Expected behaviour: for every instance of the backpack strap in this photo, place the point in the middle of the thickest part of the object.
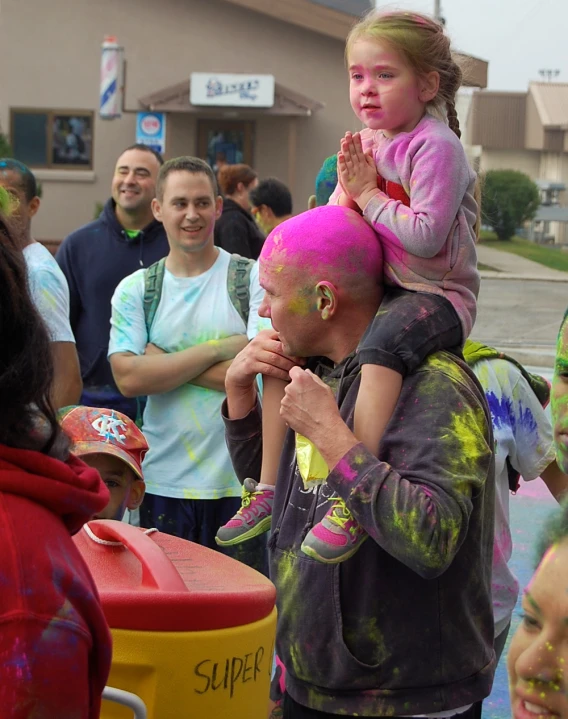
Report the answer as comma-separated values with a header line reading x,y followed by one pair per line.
x,y
153,283
238,284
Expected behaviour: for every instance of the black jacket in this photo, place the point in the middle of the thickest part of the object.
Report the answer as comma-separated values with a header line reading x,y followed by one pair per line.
x,y
237,232
94,259
405,626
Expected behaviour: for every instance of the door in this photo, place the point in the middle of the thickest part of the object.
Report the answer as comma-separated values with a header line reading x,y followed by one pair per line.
x,y
221,142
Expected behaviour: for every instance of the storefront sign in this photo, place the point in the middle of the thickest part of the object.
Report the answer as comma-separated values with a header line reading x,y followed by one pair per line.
x,y
151,130
231,90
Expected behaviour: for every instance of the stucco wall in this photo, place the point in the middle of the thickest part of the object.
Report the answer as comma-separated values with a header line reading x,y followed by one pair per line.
x,y
56,46
524,161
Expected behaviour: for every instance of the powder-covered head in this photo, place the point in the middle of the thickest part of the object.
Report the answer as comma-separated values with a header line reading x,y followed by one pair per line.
x,y
26,178
326,180
322,276
5,202
327,243
559,396
538,652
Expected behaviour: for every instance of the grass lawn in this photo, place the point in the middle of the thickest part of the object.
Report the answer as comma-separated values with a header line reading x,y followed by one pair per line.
x,y
545,255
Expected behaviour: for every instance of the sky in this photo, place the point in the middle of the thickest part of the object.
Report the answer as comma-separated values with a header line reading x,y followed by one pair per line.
x,y
517,37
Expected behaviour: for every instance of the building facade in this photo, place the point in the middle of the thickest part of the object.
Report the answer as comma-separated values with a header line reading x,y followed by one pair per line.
x,y
527,131
49,103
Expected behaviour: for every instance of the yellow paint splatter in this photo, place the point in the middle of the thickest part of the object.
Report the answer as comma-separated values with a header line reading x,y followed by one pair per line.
x,y
299,306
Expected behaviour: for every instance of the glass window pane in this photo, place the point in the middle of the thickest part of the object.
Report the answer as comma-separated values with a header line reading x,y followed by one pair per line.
x,y
72,139
29,137
224,147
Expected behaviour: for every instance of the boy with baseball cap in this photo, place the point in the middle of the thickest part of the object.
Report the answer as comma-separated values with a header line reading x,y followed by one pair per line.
x,y
111,443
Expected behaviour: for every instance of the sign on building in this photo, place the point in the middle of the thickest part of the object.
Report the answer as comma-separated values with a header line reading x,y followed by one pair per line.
x,y
226,90
151,130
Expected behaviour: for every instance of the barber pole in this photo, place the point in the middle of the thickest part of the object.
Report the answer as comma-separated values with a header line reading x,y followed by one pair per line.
x,y
111,73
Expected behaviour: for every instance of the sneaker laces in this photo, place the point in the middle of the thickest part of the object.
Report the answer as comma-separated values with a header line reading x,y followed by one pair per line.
x,y
340,515
247,497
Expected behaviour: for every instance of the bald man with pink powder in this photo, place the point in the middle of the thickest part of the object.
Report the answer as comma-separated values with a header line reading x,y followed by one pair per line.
x,y
405,627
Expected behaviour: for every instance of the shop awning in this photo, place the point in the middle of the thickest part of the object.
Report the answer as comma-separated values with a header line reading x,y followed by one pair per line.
x,y
176,99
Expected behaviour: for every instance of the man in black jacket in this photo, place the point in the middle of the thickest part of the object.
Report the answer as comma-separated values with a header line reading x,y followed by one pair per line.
x,y
236,231
96,257
271,204
405,626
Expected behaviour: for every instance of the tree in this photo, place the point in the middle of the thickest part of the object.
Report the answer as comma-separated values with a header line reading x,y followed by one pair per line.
x,y
509,199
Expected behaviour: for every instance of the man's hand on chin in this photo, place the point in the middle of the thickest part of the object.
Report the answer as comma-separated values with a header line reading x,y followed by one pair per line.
x,y
262,355
310,409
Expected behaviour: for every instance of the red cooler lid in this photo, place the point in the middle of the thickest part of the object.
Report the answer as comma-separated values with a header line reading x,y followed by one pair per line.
x,y
156,582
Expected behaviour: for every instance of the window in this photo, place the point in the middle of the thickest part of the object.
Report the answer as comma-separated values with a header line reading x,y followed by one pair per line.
x,y
225,143
55,139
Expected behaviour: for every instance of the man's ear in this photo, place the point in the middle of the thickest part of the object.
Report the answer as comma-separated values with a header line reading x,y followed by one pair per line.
x,y
157,209
137,491
33,205
218,206
429,86
327,300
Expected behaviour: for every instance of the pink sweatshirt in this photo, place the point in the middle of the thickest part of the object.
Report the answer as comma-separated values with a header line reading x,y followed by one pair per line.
x,y
429,246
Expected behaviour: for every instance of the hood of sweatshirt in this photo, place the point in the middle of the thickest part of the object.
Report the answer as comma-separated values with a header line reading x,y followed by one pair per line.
x,y
94,259
71,490
148,234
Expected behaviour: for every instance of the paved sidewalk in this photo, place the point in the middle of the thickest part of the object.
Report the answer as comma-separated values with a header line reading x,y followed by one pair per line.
x,y
521,317
509,266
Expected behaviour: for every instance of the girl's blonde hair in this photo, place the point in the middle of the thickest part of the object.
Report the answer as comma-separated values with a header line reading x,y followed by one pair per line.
x,y
425,47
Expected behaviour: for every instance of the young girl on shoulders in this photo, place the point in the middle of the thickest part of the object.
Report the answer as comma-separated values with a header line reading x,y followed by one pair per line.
x,y
408,174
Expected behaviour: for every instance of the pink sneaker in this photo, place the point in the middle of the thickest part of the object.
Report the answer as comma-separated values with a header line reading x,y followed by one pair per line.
x,y
253,518
336,538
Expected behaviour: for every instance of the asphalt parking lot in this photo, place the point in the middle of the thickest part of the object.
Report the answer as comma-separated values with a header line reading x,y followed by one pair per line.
x,y
521,317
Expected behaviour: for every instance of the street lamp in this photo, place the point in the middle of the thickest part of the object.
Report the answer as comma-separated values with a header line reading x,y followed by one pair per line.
x,y
438,12
548,74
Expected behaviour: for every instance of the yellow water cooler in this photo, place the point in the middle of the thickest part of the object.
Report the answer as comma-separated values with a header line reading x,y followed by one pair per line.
x,y
193,630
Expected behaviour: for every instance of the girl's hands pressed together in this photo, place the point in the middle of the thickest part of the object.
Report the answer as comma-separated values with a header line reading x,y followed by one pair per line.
x,y
356,170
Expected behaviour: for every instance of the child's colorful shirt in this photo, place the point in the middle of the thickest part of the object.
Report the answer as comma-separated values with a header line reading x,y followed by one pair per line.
x,y
429,246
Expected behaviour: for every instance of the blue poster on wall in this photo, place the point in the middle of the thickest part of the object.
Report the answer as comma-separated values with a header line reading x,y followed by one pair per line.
x,y
151,130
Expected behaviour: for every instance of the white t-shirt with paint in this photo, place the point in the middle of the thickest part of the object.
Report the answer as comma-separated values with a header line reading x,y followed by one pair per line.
x,y
188,456
49,291
523,432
